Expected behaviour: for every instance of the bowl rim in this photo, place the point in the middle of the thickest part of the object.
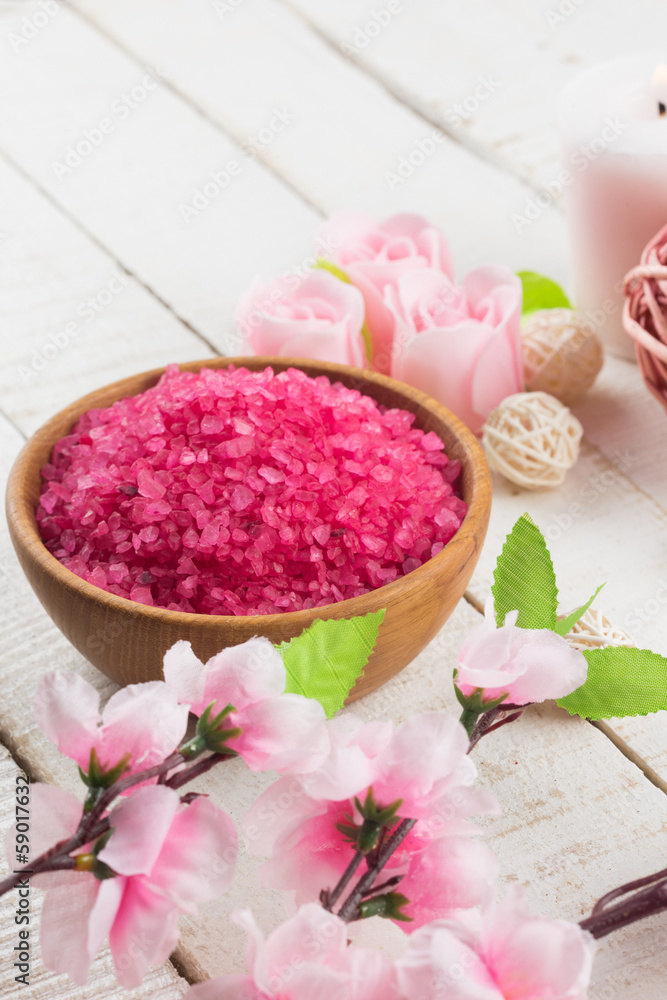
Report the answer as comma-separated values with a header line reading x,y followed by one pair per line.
x,y
25,532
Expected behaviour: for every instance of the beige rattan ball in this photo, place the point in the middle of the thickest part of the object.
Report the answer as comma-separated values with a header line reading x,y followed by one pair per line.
x,y
532,439
594,630
562,354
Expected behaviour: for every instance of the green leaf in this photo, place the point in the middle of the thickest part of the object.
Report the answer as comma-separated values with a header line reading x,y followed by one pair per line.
x,y
326,660
524,578
326,265
389,905
541,293
564,626
621,681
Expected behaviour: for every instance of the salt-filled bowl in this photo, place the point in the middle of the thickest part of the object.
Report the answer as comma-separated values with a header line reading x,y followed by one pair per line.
x,y
127,640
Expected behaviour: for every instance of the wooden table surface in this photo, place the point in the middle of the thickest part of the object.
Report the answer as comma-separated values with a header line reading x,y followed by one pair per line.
x,y
317,111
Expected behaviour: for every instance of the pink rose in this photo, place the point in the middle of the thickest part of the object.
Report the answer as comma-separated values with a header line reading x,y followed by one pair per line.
x,y
376,255
318,317
305,958
166,858
527,664
515,957
461,345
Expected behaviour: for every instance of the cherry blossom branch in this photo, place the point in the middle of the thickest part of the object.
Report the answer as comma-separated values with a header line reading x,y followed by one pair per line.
x,y
348,910
486,723
329,899
649,900
94,824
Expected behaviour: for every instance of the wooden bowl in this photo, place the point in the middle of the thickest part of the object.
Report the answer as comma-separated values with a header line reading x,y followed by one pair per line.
x,y
127,641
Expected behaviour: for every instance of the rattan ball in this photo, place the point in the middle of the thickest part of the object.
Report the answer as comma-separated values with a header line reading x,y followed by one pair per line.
x,y
645,314
532,439
562,354
594,630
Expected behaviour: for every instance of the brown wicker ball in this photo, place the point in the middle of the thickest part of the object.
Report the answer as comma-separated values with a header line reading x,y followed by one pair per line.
x,y
562,353
645,314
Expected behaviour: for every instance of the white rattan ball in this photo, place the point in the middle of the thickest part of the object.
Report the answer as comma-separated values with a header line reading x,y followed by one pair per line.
x,y
594,630
562,354
532,439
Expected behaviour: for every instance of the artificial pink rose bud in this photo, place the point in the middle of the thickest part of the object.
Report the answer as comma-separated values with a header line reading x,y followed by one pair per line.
x,y
375,255
318,317
526,664
461,345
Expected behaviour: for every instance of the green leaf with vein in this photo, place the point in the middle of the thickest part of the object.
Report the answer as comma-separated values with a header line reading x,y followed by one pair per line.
x,y
524,578
541,293
565,624
326,660
326,265
621,681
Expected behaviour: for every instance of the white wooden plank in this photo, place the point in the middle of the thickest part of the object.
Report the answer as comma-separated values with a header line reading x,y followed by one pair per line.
x,y
29,633
434,55
205,266
128,191
73,319
161,984
578,817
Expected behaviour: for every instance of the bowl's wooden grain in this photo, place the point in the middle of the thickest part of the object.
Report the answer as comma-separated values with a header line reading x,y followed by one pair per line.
x,y
127,640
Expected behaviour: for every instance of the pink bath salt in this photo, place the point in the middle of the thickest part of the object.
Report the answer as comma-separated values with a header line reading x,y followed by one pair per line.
x,y
230,492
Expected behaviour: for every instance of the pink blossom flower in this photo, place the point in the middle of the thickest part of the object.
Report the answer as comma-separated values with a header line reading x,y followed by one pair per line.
x,y
443,869
529,665
279,732
142,720
515,957
305,958
461,345
376,255
317,317
168,858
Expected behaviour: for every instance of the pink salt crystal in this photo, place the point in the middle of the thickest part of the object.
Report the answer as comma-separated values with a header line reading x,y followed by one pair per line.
x,y
149,487
241,498
272,476
321,533
382,473
344,497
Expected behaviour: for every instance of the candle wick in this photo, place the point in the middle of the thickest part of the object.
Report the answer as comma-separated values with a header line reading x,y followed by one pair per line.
x,y
662,109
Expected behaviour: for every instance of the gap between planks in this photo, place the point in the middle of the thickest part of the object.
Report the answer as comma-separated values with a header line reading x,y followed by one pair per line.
x,y
76,222
397,93
477,149
199,111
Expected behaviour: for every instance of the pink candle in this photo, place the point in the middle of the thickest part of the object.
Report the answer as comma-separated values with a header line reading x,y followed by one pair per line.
x,y
613,122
